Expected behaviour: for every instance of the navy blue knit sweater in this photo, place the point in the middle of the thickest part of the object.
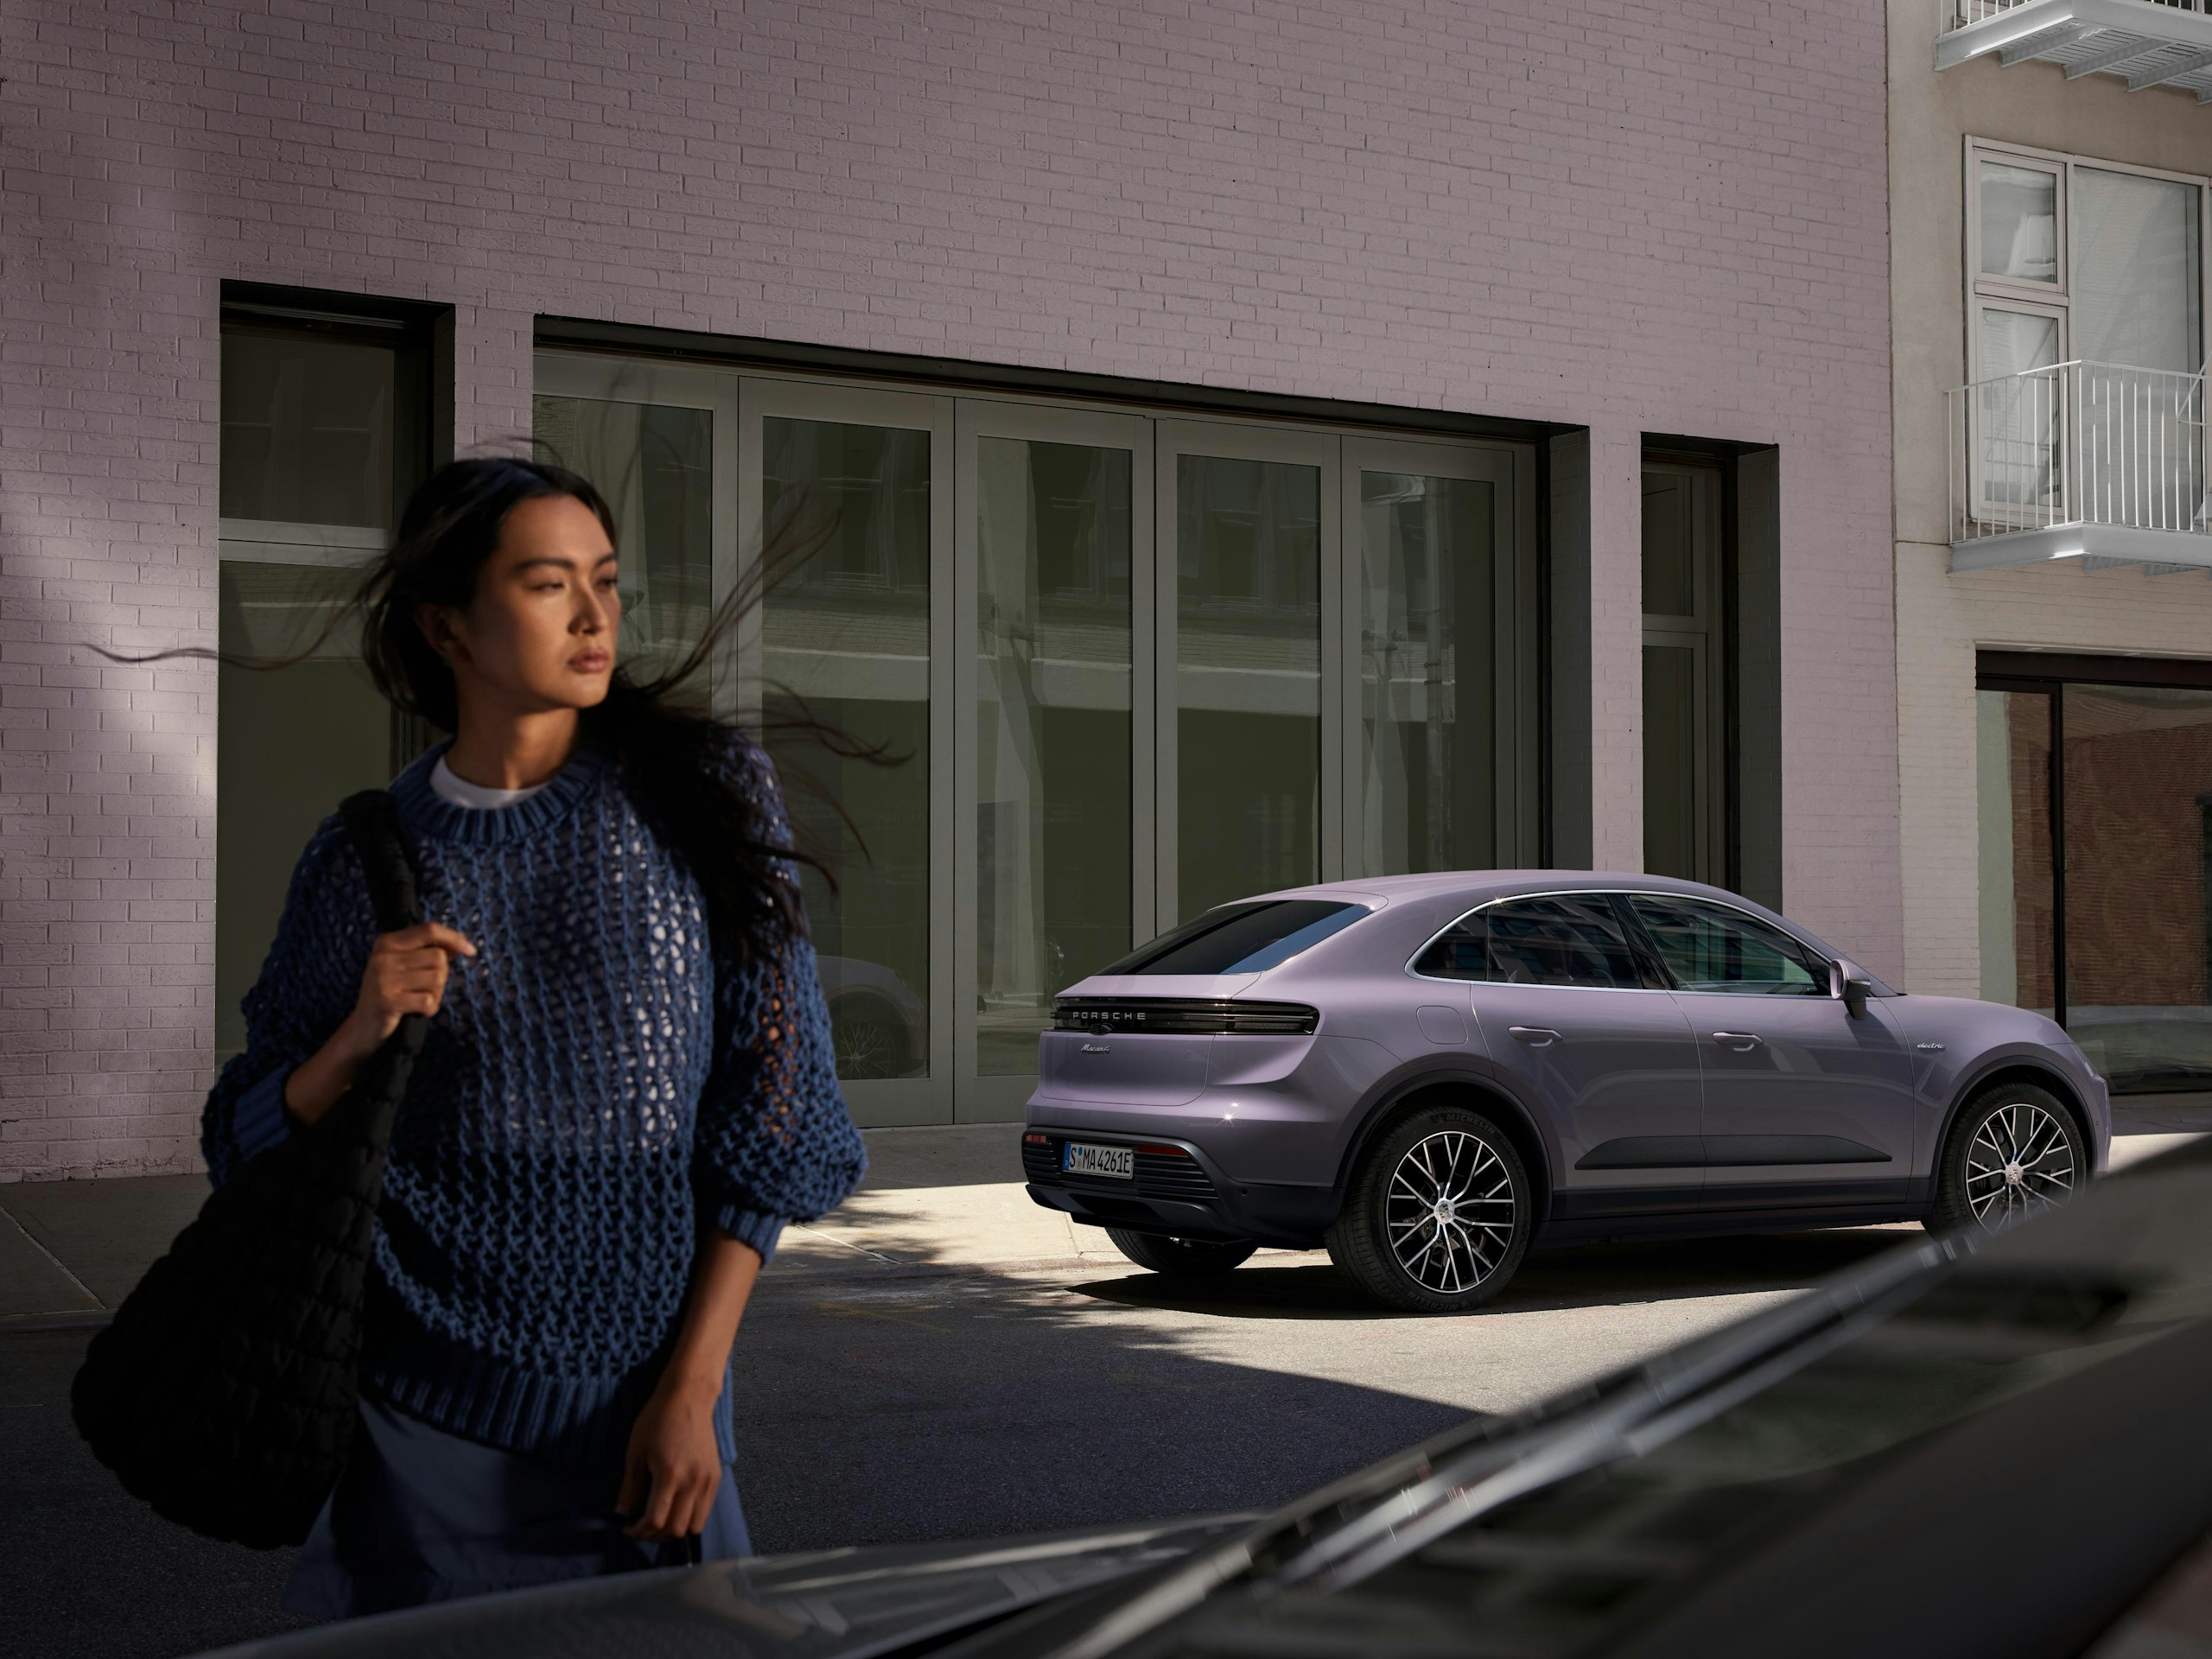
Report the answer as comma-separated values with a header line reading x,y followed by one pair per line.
x,y
603,1076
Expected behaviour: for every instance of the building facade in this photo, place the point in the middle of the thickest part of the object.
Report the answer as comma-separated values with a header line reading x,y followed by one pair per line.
x,y
2051,183
1198,448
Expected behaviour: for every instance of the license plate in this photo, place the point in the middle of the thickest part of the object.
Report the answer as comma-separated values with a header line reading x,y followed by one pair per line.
x,y
1119,1162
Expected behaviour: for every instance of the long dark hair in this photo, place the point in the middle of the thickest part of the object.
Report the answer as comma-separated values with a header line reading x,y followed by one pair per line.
x,y
671,749
673,752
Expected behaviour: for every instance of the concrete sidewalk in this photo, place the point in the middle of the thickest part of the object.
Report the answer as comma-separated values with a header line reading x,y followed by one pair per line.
x,y
936,1200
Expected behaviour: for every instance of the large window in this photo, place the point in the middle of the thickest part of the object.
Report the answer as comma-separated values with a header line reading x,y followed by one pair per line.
x,y
327,419
2093,778
2071,257
1090,671
2072,261
1685,683
1438,687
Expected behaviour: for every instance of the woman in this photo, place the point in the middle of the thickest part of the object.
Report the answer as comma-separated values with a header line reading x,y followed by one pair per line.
x,y
627,1088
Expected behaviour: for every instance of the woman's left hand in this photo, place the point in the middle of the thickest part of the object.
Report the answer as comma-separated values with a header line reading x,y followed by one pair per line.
x,y
673,1467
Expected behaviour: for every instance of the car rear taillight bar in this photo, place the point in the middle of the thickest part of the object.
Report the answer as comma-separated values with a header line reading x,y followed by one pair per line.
x,y
1183,1017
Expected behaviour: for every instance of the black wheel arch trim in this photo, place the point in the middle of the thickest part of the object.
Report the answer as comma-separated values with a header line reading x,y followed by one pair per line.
x,y
1988,1069
1382,1101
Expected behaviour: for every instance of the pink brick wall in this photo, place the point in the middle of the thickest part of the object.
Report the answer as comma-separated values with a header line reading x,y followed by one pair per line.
x,y
1664,219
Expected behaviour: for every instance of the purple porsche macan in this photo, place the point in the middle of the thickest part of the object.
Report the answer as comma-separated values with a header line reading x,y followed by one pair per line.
x,y
1431,1073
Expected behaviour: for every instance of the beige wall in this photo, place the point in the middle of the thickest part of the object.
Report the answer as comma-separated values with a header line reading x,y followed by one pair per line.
x,y
1942,618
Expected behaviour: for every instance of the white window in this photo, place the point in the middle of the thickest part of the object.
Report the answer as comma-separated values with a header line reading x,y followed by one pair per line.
x,y
2085,340
2073,259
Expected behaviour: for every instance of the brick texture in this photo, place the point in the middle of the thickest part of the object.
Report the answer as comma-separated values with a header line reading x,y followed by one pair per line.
x,y
1665,218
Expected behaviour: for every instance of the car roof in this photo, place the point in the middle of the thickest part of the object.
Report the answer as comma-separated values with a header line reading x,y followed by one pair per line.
x,y
1476,884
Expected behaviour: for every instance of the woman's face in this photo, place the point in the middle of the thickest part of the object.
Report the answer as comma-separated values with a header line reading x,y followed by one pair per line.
x,y
540,633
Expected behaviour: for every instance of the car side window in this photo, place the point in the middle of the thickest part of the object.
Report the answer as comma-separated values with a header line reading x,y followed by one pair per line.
x,y
1550,941
1709,947
1461,951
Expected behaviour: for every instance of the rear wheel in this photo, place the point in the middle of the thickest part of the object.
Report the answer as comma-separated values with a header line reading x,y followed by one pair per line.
x,y
2014,1152
868,1039
1438,1216
1186,1258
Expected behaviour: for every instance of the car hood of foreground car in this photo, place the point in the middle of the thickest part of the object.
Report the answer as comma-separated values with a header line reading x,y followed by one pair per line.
x,y
833,1603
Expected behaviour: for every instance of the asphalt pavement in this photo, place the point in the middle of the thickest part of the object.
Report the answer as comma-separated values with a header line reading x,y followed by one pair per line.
x,y
941,1359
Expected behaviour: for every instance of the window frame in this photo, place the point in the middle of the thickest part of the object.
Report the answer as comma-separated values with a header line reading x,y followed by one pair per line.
x,y
1645,949
1811,956
572,359
2013,293
1706,631
1987,506
2047,675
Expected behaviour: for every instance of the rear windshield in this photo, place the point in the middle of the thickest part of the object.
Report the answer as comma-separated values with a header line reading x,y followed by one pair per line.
x,y
1246,939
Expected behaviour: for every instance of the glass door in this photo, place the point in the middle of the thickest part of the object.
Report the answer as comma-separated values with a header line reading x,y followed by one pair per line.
x,y
1436,602
1244,736
1054,578
846,516
659,442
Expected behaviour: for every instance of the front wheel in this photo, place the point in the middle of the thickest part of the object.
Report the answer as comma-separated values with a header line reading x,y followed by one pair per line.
x,y
2014,1152
1184,1258
1438,1216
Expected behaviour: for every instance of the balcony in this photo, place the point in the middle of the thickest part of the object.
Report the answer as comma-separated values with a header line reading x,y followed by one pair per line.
x,y
2094,461
2146,43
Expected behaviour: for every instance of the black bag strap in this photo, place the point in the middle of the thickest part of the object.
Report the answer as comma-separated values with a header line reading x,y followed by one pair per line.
x,y
373,824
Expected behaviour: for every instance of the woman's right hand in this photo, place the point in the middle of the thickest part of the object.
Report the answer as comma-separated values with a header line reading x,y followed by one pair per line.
x,y
406,974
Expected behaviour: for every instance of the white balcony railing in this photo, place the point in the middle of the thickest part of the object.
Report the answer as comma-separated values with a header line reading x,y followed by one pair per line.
x,y
1975,11
2100,446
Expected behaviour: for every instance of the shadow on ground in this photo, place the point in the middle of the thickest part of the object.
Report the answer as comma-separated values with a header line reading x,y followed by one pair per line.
x,y
882,1407
1598,1275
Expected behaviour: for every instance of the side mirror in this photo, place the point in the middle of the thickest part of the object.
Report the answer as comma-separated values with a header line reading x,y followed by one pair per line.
x,y
1848,984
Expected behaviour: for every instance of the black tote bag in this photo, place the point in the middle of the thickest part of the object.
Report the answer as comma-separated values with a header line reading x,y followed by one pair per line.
x,y
226,1392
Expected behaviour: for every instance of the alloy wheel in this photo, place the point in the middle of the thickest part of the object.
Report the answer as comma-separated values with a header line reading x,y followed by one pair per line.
x,y
865,1045
2020,1160
1450,1212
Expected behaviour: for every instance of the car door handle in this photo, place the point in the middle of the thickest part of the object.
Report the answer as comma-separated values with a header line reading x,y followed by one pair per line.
x,y
1742,1042
1535,1036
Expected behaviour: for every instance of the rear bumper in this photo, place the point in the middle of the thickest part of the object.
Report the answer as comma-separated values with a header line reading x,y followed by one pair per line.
x,y
1181,1193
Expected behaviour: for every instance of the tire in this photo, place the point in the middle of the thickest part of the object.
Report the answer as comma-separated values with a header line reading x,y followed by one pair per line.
x,y
868,1038
1985,1183
1410,1233
1181,1258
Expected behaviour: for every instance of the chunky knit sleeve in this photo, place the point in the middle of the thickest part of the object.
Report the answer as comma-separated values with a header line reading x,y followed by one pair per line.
x,y
775,1143
309,983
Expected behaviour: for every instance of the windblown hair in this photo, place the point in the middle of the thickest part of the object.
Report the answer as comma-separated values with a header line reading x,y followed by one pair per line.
x,y
675,755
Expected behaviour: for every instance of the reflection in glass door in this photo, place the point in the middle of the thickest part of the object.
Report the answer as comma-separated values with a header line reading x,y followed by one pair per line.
x,y
1097,668
845,641
1055,536
1685,774
1249,534
1435,653
655,464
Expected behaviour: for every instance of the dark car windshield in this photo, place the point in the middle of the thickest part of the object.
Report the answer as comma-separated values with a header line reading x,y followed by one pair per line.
x,y
1245,938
